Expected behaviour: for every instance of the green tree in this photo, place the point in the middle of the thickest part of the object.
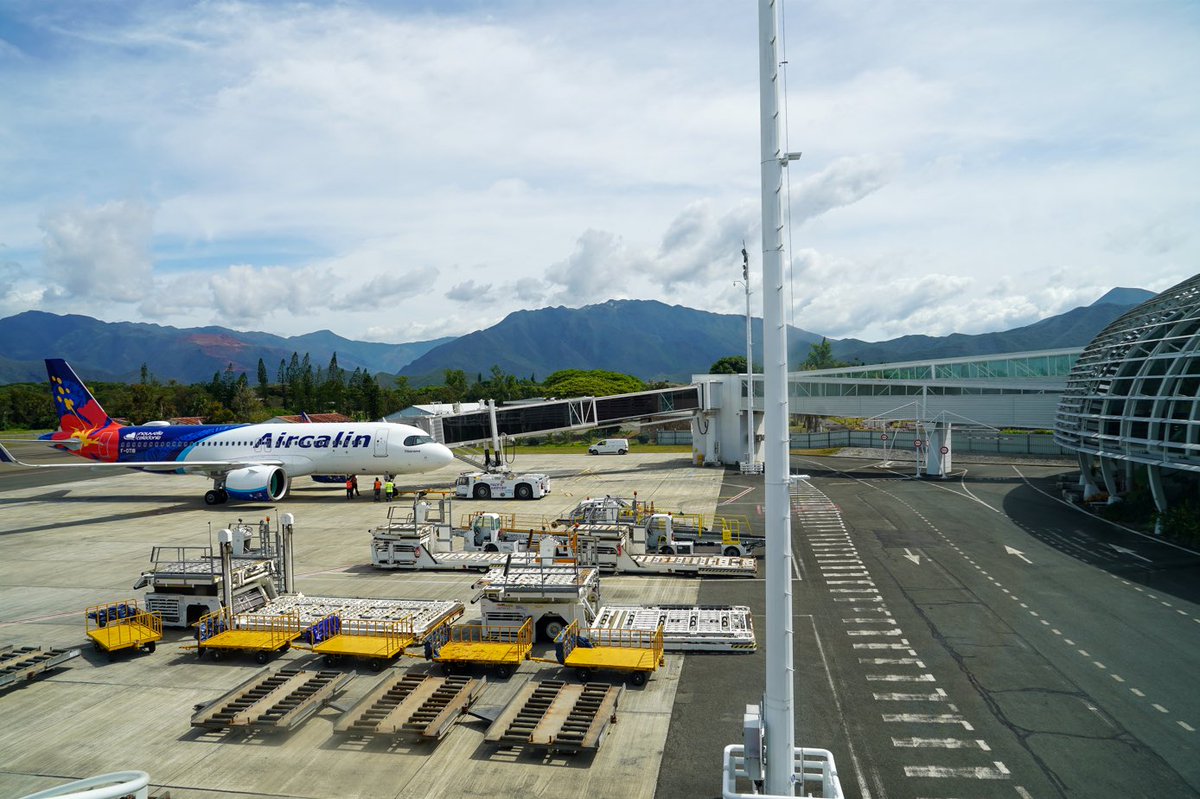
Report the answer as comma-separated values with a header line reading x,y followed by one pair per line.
x,y
264,382
243,403
455,386
729,365
592,383
820,356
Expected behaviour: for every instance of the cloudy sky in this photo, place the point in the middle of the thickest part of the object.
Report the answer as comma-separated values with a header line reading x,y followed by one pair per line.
x,y
397,171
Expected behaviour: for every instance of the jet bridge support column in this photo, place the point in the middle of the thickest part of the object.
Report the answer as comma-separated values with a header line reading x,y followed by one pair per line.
x,y
225,543
288,565
938,463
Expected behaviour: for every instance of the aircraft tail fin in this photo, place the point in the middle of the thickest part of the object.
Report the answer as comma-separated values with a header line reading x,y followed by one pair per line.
x,y
77,408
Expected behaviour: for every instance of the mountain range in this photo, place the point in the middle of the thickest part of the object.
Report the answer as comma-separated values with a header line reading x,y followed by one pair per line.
x,y
645,338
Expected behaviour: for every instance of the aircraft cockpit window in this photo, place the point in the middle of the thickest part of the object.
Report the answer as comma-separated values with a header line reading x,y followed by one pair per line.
x,y
416,441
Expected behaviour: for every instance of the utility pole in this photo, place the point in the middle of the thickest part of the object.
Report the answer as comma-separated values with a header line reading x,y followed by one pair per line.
x,y
779,704
749,365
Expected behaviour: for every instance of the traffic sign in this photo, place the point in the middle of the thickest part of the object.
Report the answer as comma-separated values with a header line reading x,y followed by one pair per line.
x,y
945,450
918,443
883,436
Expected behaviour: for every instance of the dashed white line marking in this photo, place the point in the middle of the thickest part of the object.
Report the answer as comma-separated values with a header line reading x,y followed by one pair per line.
x,y
874,632
1137,693
892,662
1099,665
937,696
901,678
938,743
1159,707
1186,726
1083,652
927,718
1117,677
888,620
977,772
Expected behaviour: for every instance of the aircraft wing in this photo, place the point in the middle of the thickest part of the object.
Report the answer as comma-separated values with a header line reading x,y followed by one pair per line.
x,y
185,467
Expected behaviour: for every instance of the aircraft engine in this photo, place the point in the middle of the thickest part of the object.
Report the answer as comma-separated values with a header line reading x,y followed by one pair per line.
x,y
257,483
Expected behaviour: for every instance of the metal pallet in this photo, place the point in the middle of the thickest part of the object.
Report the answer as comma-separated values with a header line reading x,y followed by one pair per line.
x,y
272,700
686,628
424,706
425,615
558,716
26,662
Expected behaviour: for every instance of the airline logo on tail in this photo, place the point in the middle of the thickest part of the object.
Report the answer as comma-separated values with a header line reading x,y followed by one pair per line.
x,y
84,426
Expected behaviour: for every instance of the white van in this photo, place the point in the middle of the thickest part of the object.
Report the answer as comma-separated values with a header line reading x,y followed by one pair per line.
x,y
610,446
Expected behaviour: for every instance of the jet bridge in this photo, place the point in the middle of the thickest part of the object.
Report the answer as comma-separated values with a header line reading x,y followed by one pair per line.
x,y
580,413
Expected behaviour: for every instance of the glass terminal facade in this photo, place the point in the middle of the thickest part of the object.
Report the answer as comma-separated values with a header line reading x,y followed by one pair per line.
x,y
1012,373
1132,394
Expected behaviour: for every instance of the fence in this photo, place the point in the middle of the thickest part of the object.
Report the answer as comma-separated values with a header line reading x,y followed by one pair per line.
x,y
963,441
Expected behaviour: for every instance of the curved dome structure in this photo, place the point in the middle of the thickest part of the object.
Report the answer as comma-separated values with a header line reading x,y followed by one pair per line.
x,y
1132,395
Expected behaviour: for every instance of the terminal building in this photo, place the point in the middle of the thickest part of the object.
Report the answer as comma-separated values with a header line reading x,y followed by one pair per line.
x,y
1130,404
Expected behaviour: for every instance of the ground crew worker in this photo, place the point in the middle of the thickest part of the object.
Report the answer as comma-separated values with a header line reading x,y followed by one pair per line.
x,y
354,483
378,488
349,488
388,489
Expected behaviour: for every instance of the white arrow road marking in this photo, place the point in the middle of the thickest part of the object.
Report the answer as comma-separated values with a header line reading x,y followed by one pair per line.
x,y
1018,553
916,559
1130,552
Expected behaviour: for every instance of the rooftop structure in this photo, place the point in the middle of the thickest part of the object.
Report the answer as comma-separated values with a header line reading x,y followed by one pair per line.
x,y
1132,394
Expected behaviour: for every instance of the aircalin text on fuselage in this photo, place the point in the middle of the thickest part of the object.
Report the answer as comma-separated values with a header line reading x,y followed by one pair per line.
x,y
285,440
247,462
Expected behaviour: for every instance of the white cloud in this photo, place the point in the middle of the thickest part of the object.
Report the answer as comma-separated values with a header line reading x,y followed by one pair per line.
x,y
600,267
98,253
469,291
299,166
844,182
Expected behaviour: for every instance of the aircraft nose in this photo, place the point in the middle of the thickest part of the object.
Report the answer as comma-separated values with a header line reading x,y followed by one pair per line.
x,y
443,455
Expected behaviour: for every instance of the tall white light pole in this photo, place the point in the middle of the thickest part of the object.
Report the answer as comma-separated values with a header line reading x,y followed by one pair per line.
x,y
749,364
778,700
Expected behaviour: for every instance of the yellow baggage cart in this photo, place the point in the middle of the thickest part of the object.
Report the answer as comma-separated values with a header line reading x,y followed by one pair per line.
x,y
376,642
636,653
122,625
499,646
220,632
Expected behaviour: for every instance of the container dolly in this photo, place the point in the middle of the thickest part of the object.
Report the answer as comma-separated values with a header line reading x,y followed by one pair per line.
x,y
500,646
220,632
375,641
122,625
636,653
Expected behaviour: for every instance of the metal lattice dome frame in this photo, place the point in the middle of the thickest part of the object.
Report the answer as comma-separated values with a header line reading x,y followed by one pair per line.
x,y
1132,395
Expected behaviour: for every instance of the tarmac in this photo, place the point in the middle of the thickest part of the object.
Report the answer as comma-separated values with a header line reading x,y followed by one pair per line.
x,y
75,539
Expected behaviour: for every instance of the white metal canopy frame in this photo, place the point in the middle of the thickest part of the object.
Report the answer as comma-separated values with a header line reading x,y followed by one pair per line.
x,y
1134,393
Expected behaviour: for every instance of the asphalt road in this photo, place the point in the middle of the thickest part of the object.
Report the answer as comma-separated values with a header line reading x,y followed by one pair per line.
x,y
973,636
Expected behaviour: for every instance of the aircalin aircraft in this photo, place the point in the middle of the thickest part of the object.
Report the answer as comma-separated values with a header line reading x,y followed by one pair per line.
x,y
246,462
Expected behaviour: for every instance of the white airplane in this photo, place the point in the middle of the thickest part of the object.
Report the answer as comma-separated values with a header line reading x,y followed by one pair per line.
x,y
246,462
